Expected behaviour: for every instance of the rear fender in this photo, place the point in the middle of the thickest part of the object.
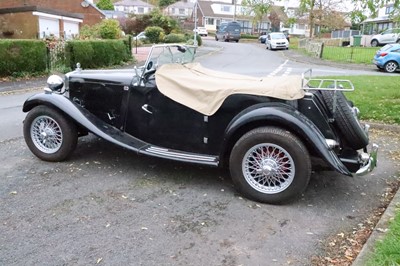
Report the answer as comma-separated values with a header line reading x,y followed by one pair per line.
x,y
285,116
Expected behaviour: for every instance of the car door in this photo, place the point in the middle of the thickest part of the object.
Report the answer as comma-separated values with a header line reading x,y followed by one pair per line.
x,y
156,119
388,36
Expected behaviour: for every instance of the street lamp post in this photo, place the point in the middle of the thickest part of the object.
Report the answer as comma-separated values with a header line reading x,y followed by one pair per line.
x,y
195,23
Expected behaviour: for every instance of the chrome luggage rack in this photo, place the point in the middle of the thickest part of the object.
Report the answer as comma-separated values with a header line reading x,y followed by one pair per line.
x,y
308,83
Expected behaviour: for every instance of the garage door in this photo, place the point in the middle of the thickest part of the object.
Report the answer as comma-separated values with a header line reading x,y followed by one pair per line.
x,y
70,29
49,26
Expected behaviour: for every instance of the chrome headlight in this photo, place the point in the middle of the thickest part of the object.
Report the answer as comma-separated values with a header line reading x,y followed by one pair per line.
x,y
56,84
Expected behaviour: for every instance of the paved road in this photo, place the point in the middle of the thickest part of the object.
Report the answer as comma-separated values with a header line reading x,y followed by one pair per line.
x,y
108,206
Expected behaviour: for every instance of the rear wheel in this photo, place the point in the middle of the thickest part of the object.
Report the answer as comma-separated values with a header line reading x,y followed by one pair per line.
x,y
345,119
391,66
49,134
270,165
374,43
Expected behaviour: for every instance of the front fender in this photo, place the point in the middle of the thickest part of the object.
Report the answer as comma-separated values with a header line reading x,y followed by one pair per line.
x,y
85,119
279,114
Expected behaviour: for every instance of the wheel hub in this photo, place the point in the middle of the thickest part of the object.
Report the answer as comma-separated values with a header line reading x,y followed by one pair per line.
x,y
46,134
268,168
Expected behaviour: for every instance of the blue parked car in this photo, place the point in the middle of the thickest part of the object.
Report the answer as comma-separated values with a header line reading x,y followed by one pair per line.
x,y
388,57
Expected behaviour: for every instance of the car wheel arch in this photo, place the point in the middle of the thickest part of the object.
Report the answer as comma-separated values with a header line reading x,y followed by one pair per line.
x,y
374,42
392,69
286,118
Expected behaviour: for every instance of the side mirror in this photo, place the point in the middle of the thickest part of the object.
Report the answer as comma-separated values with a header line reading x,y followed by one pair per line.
x,y
149,65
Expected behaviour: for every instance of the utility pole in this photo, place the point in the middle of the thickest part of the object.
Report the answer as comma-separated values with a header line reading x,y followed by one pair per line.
x,y
234,10
195,23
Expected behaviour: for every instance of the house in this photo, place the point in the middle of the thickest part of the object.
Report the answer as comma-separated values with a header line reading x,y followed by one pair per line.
x,y
295,23
31,19
180,10
381,22
112,14
211,14
133,6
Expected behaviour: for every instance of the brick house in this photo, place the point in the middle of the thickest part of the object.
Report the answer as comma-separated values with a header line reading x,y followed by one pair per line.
x,y
30,19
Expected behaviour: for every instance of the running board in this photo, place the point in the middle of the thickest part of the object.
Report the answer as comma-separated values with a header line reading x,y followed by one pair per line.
x,y
180,156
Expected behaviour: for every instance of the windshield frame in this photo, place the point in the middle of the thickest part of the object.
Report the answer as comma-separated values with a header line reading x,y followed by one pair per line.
x,y
153,61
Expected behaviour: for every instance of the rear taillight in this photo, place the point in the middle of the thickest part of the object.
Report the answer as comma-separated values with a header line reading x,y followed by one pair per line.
x,y
383,54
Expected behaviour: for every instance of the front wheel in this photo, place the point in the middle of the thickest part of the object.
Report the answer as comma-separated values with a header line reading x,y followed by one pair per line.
x,y
374,43
49,134
270,165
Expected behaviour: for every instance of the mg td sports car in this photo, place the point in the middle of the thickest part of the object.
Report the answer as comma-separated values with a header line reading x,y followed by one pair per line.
x,y
265,130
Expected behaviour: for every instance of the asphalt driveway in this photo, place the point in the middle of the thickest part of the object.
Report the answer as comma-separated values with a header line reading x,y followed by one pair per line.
x,y
108,206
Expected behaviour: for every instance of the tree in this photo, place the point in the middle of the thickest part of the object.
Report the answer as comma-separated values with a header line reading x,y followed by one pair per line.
x,y
374,5
257,8
165,22
164,3
105,5
321,11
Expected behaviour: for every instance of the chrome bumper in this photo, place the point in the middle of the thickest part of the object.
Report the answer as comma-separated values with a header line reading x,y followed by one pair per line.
x,y
369,161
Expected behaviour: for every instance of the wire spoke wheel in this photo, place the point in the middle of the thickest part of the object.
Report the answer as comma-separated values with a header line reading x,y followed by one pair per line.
x,y
268,168
46,134
49,134
270,165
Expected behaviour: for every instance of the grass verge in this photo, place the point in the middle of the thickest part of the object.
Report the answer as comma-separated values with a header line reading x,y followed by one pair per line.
x,y
387,251
377,97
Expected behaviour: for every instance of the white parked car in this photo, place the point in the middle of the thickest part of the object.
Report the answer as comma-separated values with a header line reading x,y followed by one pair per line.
x,y
202,31
276,40
388,36
140,36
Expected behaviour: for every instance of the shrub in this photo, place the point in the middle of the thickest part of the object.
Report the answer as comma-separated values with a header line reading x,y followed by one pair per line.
x,y
248,36
190,38
19,56
97,53
154,34
109,29
87,32
175,38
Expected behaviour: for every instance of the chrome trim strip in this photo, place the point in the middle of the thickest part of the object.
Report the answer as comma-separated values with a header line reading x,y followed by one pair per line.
x,y
173,154
331,143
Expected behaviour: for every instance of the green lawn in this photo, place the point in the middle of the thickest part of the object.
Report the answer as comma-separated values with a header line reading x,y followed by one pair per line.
x,y
377,97
355,55
387,252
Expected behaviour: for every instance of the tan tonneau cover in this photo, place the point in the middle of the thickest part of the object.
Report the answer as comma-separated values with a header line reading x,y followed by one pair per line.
x,y
204,90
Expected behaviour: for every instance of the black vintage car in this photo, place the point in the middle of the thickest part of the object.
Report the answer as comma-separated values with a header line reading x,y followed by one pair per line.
x,y
265,130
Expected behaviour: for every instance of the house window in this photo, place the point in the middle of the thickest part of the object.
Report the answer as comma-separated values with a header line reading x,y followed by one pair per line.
x,y
140,10
173,10
181,11
389,10
225,8
210,21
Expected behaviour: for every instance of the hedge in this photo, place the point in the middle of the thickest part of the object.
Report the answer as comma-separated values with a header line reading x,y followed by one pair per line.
x,y
97,53
22,56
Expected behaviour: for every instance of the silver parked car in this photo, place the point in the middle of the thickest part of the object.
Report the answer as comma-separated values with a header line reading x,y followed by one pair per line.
x,y
276,40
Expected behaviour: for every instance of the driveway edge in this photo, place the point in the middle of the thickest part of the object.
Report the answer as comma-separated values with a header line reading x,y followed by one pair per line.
x,y
379,232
